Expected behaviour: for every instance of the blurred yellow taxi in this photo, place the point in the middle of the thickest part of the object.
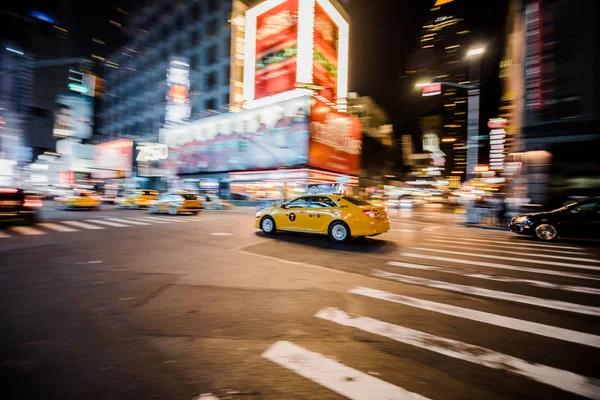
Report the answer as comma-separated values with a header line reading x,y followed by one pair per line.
x,y
140,198
340,217
176,203
80,199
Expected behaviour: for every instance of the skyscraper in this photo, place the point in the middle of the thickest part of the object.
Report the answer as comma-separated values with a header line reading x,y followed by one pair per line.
x,y
440,57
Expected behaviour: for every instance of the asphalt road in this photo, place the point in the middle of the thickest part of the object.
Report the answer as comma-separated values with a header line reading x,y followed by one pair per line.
x,y
119,304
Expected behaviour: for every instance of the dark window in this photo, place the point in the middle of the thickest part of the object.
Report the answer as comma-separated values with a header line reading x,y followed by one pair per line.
x,y
302,202
178,47
210,104
212,27
226,47
322,202
356,202
211,56
212,5
586,207
211,80
193,61
180,22
195,12
195,38
226,75
41,112
226,99
188,196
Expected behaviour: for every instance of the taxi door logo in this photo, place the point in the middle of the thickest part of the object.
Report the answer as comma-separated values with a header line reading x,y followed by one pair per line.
x,y
292,217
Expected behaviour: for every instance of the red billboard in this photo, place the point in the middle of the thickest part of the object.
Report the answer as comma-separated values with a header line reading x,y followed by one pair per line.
x,y
432,90
335,140
113,159
276,49
325,54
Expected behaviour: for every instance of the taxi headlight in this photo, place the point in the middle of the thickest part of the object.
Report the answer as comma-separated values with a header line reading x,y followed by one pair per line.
x,y
520,219
258,214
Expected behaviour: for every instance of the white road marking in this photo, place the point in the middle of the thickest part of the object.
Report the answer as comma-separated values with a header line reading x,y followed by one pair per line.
x,y
103,222
515,243
90,262
487,318
26,230
127,221
504,266
83,225
207,396
564,380
166,219
56,227
348,382
152,219
529,261
431,228
401,230
506,279
591,260
493,294
470,242
222,234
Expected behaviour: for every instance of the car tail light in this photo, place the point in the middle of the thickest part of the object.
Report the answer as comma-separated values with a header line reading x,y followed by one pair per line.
x,y
8,190
32,203
370,213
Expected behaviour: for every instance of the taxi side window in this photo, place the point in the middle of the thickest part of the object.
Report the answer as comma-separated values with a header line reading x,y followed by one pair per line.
x,y
322,202
302,202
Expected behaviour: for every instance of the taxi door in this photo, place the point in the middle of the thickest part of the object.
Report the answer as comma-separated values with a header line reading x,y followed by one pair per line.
x,y
293,216
319,214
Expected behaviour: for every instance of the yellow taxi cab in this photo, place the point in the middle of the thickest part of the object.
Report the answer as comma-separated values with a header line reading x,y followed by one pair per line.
x,y
338,216
176,203
80,199
140,198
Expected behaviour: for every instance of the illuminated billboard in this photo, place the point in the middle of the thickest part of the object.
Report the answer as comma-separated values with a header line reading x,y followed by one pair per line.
x,y
268,137
113,159
291,45
335,140
74,116
178,81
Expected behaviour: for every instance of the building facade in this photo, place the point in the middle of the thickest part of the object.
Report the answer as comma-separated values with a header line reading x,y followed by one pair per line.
x,y
195,31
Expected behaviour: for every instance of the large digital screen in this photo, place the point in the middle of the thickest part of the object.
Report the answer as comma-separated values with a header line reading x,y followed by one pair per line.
x,y
325,53
272,136
74,116
113,159
276,49
335,140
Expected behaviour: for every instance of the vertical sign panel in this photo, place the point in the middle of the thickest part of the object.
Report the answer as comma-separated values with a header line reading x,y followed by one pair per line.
x,y
325,54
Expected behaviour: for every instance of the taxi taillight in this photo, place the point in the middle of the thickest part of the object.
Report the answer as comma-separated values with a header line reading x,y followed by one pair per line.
x,y
32,203
370,213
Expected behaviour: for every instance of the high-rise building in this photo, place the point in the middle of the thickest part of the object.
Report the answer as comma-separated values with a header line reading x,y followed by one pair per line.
x,y
196,34
440,57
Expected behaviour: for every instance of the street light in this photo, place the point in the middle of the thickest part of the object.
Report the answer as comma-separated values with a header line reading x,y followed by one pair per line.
x,y
423,84
475,51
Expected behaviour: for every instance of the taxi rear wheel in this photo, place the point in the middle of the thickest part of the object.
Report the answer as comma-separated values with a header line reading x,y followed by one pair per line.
x,y
267,224
339,232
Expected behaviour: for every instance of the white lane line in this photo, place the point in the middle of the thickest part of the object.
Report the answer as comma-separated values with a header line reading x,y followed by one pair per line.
x,y
335,376
83,225
4,235
431,228
493,294
470,242
56,227
525,260
166,219
504,266
505,279
103,222
152,219
26,230
487,318
548,246
561,379
127,221
590,260
401,230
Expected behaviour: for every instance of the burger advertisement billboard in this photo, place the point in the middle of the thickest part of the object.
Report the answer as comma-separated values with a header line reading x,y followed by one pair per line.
x,y
335,140
325,53
276,49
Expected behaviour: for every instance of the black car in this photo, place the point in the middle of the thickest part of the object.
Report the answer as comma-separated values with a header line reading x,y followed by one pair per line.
x,y
575,220
17,206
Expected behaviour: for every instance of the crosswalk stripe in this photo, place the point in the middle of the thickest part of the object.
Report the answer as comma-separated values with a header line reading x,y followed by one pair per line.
x,y
4,235
56,227
334,375
103,222
83,225
470,242
590,260
504,266
515,243
493,294
151,219
534,328
506,279
561,379
165,219
26,230
530,261
127,221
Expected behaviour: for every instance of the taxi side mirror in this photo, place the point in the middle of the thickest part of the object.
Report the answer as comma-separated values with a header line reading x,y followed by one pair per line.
x,y
284,206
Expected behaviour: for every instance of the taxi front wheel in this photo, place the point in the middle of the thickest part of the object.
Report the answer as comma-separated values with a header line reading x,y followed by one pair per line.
x,y
339,232
267,224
